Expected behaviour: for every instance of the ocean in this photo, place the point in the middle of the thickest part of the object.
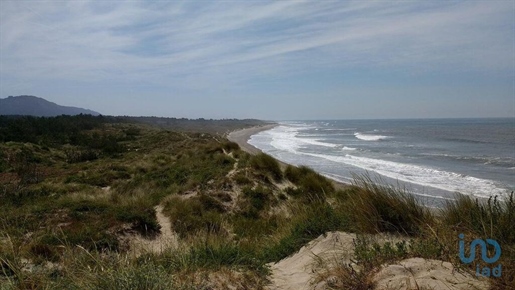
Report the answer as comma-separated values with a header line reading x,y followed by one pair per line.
x,y
433,158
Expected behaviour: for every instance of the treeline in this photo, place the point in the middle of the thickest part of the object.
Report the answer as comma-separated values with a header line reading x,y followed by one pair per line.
x,y
200,125
51,131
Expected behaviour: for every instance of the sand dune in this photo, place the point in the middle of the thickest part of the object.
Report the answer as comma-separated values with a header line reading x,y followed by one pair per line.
x,y
300,271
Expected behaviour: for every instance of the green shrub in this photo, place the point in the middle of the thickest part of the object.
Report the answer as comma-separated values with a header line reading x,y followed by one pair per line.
x,y
3,161
429,248
267,165
294,174
101,178
210,203
369,254
231,146
143,218
241,179
191,216
75,155
248,227
223,160
257,200
310,184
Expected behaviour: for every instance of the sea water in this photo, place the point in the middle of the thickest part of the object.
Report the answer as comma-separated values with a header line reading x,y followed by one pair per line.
x,y
434,158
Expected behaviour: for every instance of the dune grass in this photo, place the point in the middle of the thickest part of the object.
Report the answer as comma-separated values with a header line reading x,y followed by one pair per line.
x,y
66,224
493,219
385,208
267,166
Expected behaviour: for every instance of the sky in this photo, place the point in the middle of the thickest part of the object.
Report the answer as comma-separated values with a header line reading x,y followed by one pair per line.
x,y
274,60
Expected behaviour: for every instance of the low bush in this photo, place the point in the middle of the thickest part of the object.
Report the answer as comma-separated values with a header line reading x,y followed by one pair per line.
x,y
193,215
231,146
143,218
256,201
369,254
310,184
210,203
266,165
254,229
241,179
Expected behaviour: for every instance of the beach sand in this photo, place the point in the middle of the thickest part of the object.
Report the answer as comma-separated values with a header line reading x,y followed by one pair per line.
x,y
242,137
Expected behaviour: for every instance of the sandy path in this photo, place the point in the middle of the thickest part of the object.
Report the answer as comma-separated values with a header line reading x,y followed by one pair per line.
x,y
298,272
167,239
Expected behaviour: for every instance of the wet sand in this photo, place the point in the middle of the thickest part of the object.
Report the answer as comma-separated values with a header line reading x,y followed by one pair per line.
x,y
242,136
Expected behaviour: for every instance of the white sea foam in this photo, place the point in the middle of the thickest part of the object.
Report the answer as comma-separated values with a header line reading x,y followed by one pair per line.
x,y
367,137
286,138
339,129
293,138
420,175
349,148
316,142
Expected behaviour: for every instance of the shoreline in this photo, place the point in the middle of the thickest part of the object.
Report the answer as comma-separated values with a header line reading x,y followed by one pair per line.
x,y
242,136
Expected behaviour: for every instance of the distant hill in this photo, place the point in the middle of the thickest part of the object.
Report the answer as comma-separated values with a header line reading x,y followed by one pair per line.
x,y
34,106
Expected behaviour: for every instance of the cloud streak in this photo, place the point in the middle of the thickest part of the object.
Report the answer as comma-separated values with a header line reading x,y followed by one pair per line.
x,y
202,44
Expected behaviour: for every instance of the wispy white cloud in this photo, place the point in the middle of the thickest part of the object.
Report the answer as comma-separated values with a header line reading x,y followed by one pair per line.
x,y
196,44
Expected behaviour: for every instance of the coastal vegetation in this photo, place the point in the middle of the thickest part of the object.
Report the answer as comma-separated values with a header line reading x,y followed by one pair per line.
x,y
77,192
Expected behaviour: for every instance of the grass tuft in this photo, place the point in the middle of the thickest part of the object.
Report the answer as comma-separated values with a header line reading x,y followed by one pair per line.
x,y
266,165
384,208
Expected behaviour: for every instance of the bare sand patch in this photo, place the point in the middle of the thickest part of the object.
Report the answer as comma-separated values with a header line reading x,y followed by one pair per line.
x,y
301,270
165,240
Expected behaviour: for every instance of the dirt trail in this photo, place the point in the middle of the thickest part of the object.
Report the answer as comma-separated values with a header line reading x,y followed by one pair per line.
x,y
167,239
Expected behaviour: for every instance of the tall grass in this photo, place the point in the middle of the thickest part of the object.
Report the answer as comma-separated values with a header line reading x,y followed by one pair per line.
x,y
310,184
385,208
493,219
309,223
266,165
198,214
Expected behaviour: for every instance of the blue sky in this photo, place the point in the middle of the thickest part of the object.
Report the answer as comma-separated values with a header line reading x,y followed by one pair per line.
x,y
264,59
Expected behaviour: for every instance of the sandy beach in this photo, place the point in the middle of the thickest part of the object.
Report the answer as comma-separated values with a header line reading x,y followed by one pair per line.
x,y
242,136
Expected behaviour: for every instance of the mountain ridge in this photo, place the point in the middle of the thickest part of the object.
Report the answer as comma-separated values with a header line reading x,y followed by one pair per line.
x,y
37,106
